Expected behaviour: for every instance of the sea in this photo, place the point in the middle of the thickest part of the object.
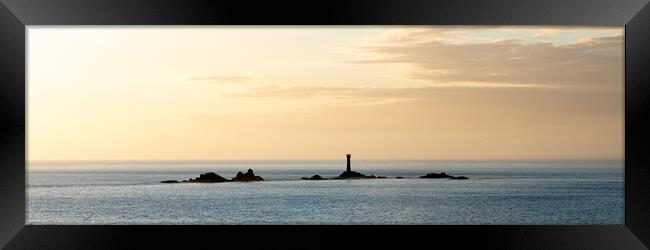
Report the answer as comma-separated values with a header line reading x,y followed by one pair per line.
x,y
496,193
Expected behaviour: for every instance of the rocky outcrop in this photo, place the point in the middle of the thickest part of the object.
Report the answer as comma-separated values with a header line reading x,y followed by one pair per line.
x,y
434,175
208,177
248,176
352,175
357,175
313,178
444,175
213,177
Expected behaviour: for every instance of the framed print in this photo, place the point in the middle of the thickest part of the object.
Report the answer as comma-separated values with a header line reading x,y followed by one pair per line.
x,y
176,124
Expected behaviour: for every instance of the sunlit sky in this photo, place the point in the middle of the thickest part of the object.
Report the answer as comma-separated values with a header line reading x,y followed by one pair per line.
x,y
379,92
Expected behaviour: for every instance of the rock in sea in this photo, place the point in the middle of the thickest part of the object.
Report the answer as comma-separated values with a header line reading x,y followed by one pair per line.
x,y
352,175
313,178
208,177
248,176
434,175
357,175
444,175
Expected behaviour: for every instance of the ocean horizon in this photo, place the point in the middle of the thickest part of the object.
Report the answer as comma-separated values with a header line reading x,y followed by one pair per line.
x,y
497,192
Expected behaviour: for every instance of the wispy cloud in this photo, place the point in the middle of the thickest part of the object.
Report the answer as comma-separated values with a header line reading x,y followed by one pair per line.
x,y
360,96
545,100
320,96
220,79
483,34
301,92
587,62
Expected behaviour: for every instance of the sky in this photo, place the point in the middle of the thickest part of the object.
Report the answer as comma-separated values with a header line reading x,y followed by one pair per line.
x,y
106,93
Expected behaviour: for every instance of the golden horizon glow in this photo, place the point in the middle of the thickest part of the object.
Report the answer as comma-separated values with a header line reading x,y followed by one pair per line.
x,y
378,92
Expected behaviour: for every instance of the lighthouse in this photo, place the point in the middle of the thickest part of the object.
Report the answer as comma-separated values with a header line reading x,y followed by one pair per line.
x,y
348,167
349,174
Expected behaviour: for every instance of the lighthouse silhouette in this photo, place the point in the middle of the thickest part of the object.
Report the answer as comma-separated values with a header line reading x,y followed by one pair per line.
x,y
348,168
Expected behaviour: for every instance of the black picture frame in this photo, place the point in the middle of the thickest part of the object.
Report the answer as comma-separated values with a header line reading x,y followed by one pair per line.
x,y
15,15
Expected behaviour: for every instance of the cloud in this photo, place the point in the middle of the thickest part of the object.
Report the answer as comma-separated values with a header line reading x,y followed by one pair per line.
x,y
547,33
355,96
220,79
401,35
482,34
542,101
327,96
592,62
357,92
301,92
320,96
452,34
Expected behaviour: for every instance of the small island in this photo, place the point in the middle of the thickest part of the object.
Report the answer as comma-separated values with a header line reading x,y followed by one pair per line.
x,y
210,177
443,175
248,176
313,178
352,175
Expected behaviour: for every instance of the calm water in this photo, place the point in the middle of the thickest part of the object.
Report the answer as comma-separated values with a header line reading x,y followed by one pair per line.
x,y
496,193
